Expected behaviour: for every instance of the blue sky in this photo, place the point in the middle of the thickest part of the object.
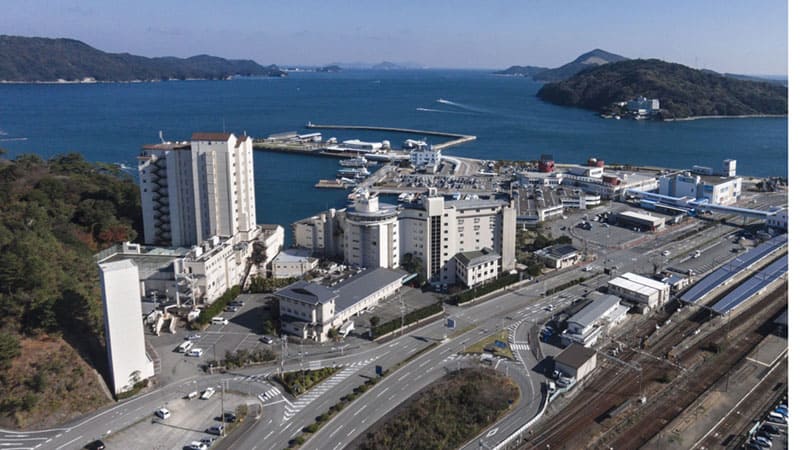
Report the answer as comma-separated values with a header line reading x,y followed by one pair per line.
x,y
727,36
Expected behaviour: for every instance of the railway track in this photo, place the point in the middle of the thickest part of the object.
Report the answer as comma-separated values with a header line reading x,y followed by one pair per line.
x,y
581,423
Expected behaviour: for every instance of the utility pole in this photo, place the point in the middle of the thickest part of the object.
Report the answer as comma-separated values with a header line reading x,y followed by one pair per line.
x,y
402,314
222,407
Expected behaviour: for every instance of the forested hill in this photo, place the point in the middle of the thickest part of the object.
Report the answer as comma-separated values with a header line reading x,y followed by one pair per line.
x,y
54,215
682,91
34,59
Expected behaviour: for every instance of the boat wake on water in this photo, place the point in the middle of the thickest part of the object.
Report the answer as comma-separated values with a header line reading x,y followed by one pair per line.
x,y
13,139
463,106
445,111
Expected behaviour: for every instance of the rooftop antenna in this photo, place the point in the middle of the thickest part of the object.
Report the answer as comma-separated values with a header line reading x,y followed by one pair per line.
x,y
161,136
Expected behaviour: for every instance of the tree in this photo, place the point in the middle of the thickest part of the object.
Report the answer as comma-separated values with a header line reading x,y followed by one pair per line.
x,y
9,349
259,254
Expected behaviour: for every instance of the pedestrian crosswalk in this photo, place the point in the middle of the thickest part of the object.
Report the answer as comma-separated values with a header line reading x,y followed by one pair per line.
x,y
269,394
519,346
257,378
461,357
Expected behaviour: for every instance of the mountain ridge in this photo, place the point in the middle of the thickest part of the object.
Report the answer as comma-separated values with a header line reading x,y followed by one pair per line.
x,y
38,59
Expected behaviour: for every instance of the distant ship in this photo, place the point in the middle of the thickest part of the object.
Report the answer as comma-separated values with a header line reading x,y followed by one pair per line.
x,y
354,172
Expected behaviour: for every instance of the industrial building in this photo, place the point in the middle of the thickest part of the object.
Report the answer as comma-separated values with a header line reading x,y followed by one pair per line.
x,y
194,190
587,325
576,361
293,263
638,289
558,256
370,234
638,221
477,267
122,304
311,310
780,220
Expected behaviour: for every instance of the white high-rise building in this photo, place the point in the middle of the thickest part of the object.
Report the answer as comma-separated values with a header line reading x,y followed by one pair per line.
x,y
128,360
194,190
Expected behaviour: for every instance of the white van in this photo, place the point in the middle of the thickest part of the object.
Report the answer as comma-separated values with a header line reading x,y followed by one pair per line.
x,y
184,347
191,395
219,320
196,352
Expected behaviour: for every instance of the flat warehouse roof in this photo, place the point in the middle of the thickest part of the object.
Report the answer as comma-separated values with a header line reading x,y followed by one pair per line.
x,y
633,286
575,356
636,278
645,217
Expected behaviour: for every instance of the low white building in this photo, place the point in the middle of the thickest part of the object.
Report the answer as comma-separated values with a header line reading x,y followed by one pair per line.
x,y
576,361
558,256
640,221
122,303
643,106
595,319
273,240
779,220
477,267
311,310
293,263
639,289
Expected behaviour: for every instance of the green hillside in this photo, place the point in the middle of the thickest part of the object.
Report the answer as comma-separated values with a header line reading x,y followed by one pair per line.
x,y
682,91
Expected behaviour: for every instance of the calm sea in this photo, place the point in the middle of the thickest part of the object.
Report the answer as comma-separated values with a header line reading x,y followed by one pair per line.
x,y
109,122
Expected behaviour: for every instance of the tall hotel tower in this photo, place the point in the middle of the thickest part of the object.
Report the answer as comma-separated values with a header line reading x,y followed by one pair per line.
x,y
194,190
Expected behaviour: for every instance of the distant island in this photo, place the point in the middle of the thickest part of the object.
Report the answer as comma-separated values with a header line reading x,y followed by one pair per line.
x,y
42,60
683,92
594,58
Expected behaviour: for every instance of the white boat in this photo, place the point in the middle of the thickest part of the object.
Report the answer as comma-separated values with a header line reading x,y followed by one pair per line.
x,y
355,172
358,161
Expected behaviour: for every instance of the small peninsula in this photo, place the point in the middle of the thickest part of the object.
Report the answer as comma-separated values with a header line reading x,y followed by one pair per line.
x,y
683,92
45,60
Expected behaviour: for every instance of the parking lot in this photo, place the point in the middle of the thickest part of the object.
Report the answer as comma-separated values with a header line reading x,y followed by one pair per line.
x,y
187,422
243,331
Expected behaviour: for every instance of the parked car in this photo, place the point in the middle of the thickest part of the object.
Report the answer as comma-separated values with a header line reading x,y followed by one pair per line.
x,y
219,320
265,339
162,413
665,253
229,416
207,393
197,445
191,395
192,337
216,430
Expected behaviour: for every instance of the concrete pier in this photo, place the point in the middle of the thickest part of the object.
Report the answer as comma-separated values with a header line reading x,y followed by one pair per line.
x,y
458,138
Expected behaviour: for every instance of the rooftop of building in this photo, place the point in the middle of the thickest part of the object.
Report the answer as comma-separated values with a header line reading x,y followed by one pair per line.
x,y
716,179
184,145
308,293
575,356
629,285
599,306
363,284
477,257
641,216
559,250
112,266
293,255
636,278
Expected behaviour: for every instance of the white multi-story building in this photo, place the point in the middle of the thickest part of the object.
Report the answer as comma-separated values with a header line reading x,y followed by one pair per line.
x,y
127,357
435,230
371,235
194,190
477,267
293,263
717,190
425,156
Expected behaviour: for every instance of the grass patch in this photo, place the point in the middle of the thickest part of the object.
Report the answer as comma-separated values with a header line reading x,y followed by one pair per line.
x,y
488,341
446,414
299,382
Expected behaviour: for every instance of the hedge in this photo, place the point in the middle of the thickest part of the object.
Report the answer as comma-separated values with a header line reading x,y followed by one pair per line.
x,y
216,308
411,317
566,285
471,294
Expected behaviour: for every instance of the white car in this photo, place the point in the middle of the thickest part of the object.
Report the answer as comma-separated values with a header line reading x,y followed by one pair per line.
x,y
196,352
162,413
588,269
665,253
207,393
219,320
197,445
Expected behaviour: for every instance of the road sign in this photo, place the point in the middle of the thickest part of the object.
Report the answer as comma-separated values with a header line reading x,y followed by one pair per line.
x,y
450,323
499,344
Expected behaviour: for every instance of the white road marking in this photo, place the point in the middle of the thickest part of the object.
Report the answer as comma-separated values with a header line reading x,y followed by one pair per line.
x,y
492,432
336,430
402,377
382,392
268,435
351,432
359,410
70,442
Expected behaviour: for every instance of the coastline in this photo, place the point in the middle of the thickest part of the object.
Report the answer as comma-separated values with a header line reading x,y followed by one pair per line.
x,y
742,116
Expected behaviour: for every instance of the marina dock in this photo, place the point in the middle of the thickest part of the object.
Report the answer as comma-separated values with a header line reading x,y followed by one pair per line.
x,y
458,139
